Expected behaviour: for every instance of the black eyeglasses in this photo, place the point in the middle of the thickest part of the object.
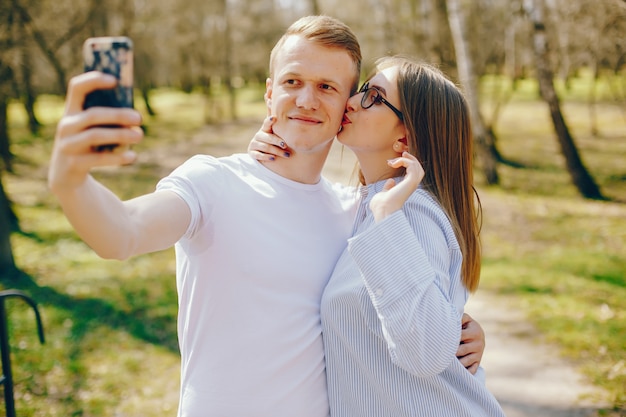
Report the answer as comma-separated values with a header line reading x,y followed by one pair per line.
x,y
372,95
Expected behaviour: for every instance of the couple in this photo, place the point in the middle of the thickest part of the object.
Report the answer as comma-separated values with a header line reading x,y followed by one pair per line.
x,y
256,244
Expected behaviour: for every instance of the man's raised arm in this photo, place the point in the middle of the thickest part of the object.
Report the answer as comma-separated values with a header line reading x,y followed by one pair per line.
x,y
111,227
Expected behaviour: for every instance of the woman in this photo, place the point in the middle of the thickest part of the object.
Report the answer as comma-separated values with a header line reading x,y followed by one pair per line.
x,y
391,311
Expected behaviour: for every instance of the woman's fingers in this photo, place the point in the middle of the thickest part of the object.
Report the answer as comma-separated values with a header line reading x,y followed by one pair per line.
x,y
265,145
414,170
270,138
261,156
268,124
389,184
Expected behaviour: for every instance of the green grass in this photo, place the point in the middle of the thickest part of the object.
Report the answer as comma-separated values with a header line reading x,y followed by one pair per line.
x,y
111,346
562,256
564,262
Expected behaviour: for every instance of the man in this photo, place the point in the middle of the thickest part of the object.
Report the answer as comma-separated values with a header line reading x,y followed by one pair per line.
x,y
255,245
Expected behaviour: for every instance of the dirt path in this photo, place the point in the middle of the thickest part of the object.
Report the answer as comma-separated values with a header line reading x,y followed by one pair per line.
x,y
528,376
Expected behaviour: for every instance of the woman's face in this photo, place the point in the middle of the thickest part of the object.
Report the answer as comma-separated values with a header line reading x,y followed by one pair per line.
x,y
376,128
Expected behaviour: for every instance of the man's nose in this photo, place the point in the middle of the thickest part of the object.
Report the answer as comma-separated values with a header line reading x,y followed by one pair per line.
x,y
307,98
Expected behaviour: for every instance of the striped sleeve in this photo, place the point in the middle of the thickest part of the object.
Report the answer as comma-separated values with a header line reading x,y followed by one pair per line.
x,y
406,268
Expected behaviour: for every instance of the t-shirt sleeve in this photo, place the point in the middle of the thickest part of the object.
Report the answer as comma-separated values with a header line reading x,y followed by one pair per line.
x,y
196,181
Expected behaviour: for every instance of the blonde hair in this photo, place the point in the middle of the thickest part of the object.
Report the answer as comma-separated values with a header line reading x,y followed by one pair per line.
x,y
326,31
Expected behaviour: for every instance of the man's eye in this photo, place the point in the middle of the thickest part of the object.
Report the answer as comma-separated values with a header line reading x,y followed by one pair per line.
x,y
326,87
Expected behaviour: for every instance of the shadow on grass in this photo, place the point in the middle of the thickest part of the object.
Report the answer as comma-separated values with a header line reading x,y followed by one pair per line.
x,y
614,279
88,313
514,164
531,289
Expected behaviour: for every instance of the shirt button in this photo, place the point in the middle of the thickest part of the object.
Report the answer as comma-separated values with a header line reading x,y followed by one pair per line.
x,y
379,292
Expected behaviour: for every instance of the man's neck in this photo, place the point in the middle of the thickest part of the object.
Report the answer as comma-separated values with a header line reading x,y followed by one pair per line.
x,y
305,168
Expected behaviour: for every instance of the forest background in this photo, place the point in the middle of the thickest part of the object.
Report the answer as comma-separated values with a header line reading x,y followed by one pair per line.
x,y
546,80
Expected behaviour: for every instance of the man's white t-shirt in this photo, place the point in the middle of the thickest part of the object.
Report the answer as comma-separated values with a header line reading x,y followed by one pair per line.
x,y
251,270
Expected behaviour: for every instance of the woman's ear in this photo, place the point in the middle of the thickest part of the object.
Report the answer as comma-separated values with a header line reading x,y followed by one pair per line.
x,y
400,146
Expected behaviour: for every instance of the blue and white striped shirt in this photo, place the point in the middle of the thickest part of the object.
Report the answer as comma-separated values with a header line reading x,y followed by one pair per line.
x,y
391,318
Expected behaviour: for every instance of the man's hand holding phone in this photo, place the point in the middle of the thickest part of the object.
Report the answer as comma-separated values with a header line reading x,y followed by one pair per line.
x,y
81,132
111,55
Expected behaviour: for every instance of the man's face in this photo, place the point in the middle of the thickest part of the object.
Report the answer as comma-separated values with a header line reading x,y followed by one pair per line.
x,y
308,93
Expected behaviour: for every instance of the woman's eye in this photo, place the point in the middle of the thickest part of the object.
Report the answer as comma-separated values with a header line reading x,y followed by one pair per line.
x,y
373,99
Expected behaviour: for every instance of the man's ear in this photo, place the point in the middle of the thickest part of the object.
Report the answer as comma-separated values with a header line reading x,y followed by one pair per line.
x,y
268,93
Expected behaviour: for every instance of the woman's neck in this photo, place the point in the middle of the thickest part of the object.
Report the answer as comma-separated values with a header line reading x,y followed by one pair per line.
x,y
374,167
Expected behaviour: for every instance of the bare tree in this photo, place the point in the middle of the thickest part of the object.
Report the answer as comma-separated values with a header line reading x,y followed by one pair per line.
x,y
484,137
315,7
7,262
6,83
7,20
577,170
25,89
41,41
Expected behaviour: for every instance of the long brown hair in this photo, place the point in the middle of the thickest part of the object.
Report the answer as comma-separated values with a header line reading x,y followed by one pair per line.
x,y
437,119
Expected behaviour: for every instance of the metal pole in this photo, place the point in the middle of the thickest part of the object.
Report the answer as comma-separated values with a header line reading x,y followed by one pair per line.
x,y
5,349
7,377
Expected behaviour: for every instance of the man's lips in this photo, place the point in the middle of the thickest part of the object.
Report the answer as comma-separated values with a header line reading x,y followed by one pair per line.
x,y
305,119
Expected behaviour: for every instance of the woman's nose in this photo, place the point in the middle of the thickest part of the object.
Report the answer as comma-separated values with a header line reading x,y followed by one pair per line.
x,y
353,102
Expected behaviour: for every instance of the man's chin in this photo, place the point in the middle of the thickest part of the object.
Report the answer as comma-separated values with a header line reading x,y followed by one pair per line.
x,y
301,146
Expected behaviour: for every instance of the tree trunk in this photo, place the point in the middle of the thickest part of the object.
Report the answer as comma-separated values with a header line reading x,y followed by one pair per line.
x,y
29,97
7,218
229,63
315,7
593,116
145,94
40,40
484,137
7,263
26,90
6,78
4,134
581,178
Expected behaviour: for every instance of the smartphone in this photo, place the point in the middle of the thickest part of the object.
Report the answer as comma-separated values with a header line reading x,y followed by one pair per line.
x,y
112,55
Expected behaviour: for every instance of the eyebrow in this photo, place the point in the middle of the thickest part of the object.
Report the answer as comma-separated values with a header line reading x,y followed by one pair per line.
x,y
378,87
295,74
381,89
